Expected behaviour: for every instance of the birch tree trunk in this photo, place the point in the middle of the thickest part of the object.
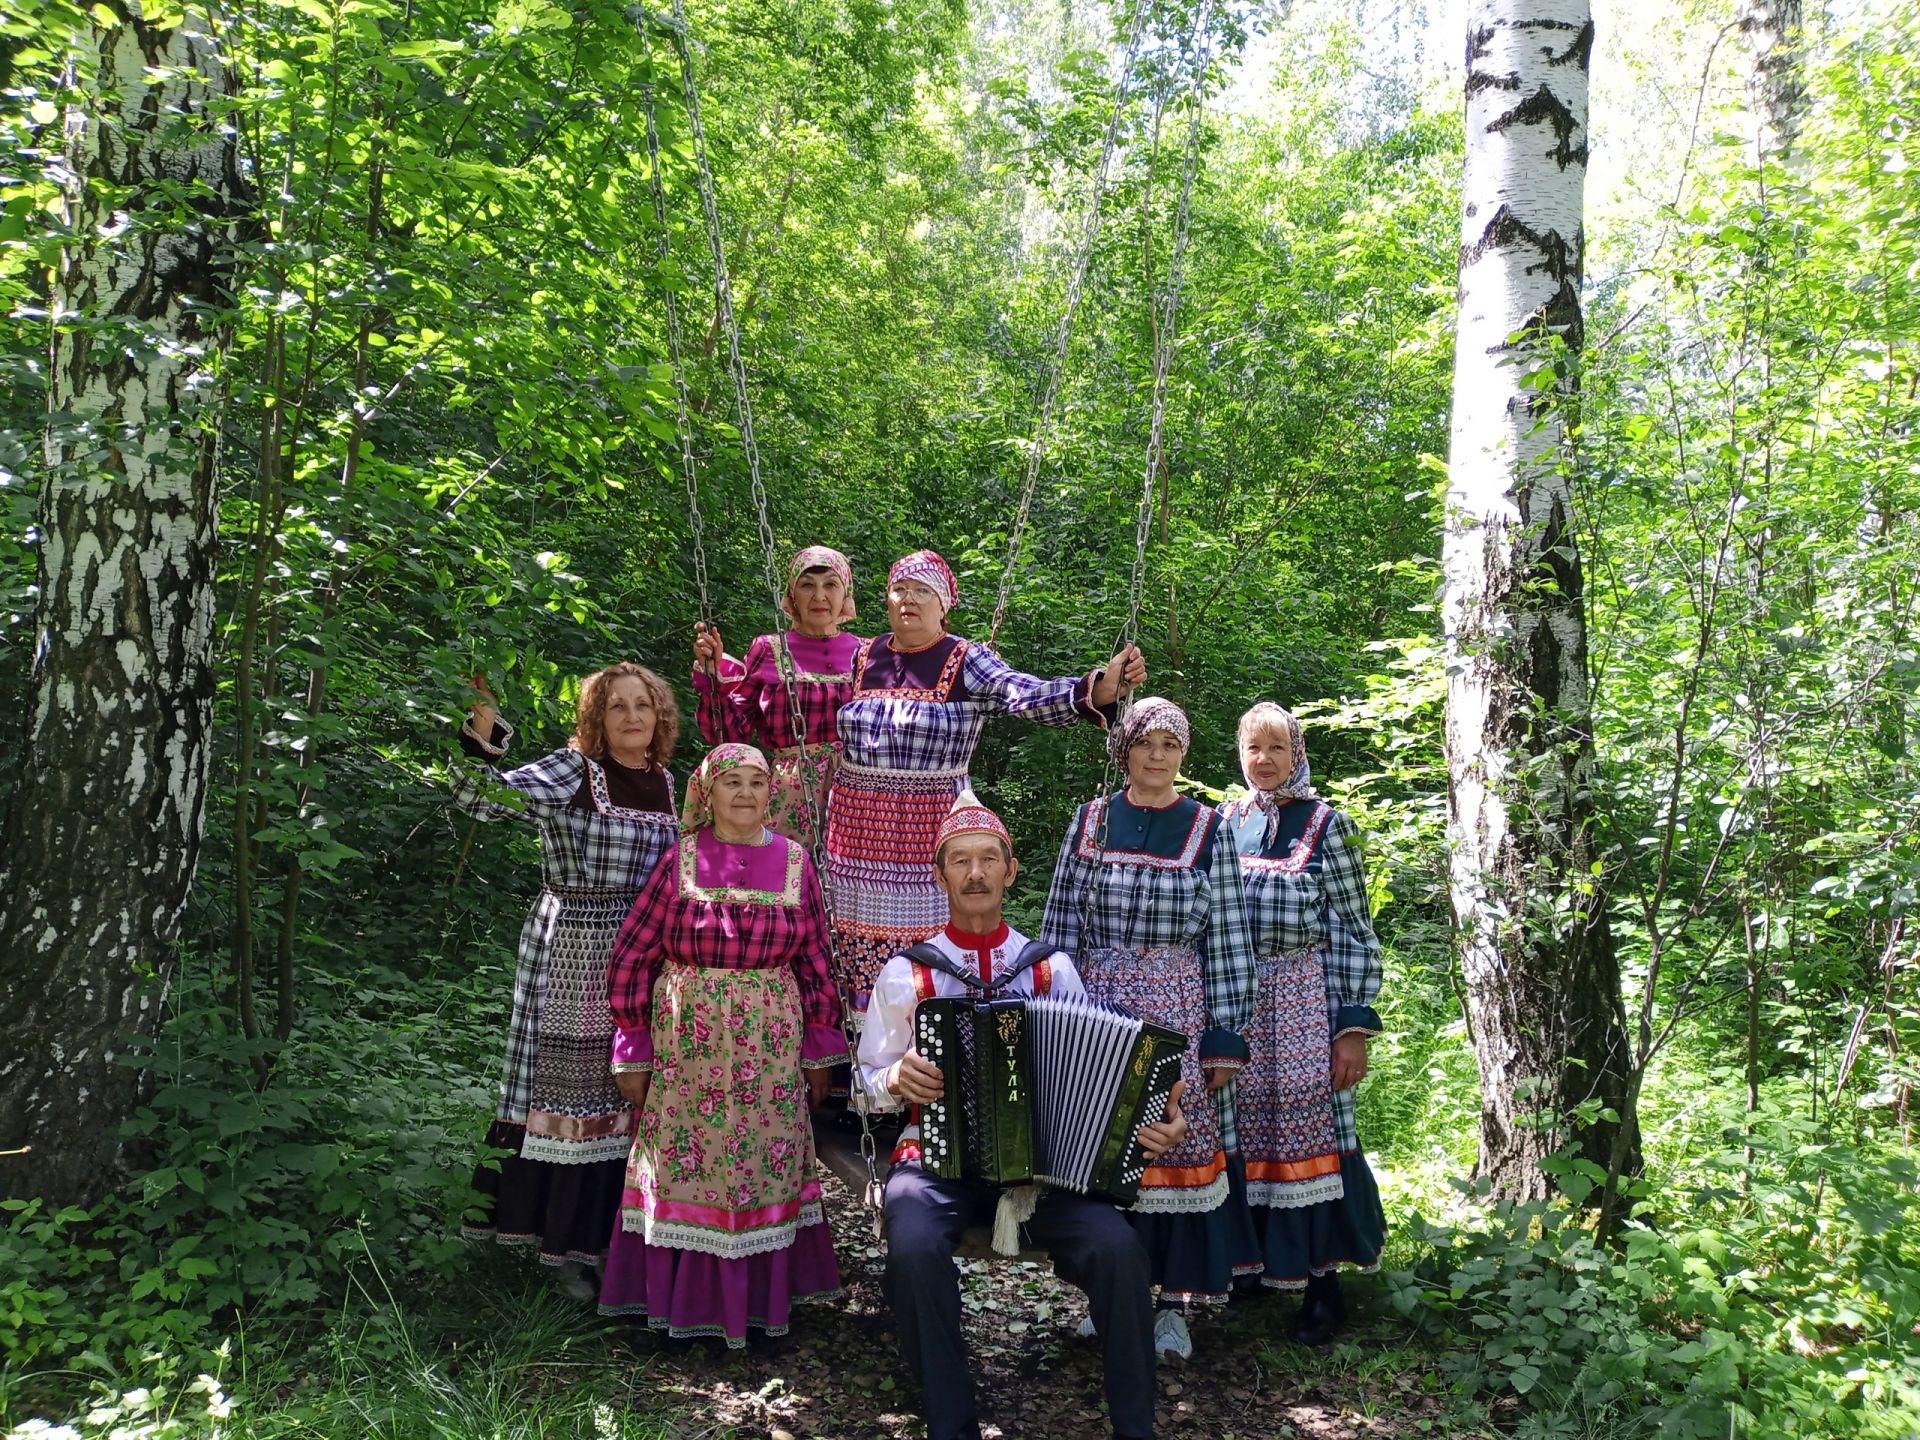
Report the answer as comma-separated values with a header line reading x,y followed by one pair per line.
x,y
1543,986
104,828
1771,29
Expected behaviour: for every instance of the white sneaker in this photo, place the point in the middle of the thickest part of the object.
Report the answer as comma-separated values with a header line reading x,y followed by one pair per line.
x,y
1170,1337
1086,1330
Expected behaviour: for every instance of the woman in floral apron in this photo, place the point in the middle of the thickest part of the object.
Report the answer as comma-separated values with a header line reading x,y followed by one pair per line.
x,y
727,1025
1146,898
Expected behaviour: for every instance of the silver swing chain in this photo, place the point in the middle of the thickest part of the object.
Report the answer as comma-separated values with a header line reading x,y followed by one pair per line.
x,y
1165,342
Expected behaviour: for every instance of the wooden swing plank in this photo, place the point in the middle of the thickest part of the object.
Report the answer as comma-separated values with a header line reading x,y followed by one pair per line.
x,y
839,1151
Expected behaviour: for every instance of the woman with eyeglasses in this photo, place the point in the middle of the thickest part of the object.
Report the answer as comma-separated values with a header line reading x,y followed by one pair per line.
x,y
921,697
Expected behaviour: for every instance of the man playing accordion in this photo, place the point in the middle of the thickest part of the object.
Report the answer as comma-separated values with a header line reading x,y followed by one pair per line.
x,y
1090,1241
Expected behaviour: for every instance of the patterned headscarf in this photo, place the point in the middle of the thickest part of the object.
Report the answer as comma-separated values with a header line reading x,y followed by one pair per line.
x,y
697,812
820,557
1149,712
1299,782
930,570
969,817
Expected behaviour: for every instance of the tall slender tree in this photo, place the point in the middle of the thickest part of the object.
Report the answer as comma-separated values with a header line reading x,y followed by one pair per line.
x,y
104,828
1542,980
1771,29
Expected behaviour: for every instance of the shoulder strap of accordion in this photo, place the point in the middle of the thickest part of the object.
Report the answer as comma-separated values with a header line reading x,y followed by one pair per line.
x,y
923,986
1033,953
927,957
931,957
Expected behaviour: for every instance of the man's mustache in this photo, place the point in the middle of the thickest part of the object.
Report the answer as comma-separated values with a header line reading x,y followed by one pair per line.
x,y
975,887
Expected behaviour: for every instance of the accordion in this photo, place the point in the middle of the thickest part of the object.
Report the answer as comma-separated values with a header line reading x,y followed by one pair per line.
x,y
1046,1090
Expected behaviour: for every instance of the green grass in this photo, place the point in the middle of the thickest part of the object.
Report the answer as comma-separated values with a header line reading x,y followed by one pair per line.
x,y
498,1354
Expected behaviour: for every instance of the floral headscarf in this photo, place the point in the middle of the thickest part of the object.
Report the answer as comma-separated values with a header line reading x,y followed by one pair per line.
x,y
1150,712
820,557
930,570
697,812
1299,782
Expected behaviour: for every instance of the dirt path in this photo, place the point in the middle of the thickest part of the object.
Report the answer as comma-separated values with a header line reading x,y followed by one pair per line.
x,y
839,1374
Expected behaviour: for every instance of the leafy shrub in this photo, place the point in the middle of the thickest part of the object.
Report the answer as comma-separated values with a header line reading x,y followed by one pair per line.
x,y
158,1410
1786,1316
259,1199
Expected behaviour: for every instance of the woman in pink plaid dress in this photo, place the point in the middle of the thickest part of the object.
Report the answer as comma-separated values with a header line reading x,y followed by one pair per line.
x,y
746,700
727,1026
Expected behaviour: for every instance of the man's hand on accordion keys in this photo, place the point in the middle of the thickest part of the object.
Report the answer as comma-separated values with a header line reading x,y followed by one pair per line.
x,y
913,1079
1158,1138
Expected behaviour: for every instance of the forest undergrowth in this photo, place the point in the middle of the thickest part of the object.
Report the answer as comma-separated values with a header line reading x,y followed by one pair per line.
x,y
288,1267
284,1259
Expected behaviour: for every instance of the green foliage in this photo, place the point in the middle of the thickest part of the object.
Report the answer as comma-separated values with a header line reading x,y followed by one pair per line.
x,y
501,1356
257,1202
1780,1314
161,1409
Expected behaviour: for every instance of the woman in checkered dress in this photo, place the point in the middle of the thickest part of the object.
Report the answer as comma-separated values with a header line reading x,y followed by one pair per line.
x,y
920,699
1314,1201
604,809
1147,898
745,701
728,1023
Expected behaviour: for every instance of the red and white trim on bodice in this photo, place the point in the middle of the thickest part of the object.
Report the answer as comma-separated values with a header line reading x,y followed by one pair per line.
x,y
1303,850
1089,847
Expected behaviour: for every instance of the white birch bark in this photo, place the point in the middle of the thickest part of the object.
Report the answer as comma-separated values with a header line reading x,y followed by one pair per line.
x,y
1771,30
1540,974
104,828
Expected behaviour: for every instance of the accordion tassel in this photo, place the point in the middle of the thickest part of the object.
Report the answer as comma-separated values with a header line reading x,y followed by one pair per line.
x,y
1014,1210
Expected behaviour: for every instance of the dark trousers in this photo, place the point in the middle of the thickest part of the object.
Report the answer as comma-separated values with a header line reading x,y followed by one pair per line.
x,y
1092,1247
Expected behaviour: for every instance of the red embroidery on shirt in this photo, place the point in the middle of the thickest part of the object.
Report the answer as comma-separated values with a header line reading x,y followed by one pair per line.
x,y
982,946
936,693
1090,848
1295,860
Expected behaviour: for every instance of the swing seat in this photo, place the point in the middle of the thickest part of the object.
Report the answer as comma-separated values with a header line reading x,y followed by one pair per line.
x,y
839,1151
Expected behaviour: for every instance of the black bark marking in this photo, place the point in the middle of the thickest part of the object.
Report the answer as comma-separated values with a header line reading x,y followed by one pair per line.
x,y
1479,46
1479,80
1560,258
1543,107
1579,53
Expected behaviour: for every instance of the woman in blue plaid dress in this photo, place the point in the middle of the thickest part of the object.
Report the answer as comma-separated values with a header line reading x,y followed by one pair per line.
x,y
604,809
1314,1201
1147,898
921,697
